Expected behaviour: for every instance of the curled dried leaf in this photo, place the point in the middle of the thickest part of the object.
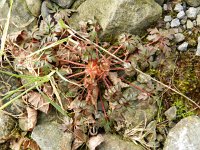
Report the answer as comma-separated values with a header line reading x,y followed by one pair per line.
x,y
37,101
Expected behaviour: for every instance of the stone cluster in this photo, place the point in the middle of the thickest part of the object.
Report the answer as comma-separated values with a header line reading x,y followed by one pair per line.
x,y
183,19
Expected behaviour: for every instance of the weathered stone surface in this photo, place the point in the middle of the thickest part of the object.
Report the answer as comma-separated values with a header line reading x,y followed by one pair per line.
x,y
116,17
7,125
49,137
183,46
21,18
34,7
160,2
184,136
114,142
64,3
193,3
198,47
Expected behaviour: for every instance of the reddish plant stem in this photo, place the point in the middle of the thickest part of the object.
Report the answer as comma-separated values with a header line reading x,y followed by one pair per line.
x,y
77,74
71,62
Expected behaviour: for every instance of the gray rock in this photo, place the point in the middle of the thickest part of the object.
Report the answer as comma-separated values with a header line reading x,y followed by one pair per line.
x,y
7,125
21,18
179,37
192,13
189,24
183,46
160,2
34,7
184,20
167,18
193,3
198,20
175,23
114,142
181,15
114,16
64,3
45,11
198,47
171,113
178,7
184,136
49,137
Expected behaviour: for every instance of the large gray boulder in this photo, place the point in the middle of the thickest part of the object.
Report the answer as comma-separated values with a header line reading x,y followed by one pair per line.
x,y
193,3
21,17
49,137
118,16
184,136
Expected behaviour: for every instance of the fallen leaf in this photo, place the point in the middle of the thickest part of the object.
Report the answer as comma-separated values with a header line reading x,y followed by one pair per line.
x,y
32,118
38,102
95,141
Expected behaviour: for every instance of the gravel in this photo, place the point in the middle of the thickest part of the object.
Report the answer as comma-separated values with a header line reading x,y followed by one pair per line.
x,y
184,20
168,18
198,20
179,37
189,24
175,23
192,13
178,7
181,15
183,46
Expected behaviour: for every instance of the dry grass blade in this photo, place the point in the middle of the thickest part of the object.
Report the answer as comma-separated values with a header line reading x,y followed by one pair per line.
x,y
5,31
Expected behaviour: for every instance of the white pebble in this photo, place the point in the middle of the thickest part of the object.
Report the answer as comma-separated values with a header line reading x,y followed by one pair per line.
x,y
181,14
192,13
179,37
183,46
168,18
175,23
178,7
189,24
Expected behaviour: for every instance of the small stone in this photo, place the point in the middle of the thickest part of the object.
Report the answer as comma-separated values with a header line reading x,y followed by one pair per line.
x,y
198,47
178,7
181,15
183,46
189,24
198,20
184,26
167,26
194,23
171,113
192,13
168,18
175,23
184,20
179,37
165,7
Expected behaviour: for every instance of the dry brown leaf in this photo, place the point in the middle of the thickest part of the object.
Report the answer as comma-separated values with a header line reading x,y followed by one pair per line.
x,y
32,118
24,143
95,141
48,90
30,144
38,102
